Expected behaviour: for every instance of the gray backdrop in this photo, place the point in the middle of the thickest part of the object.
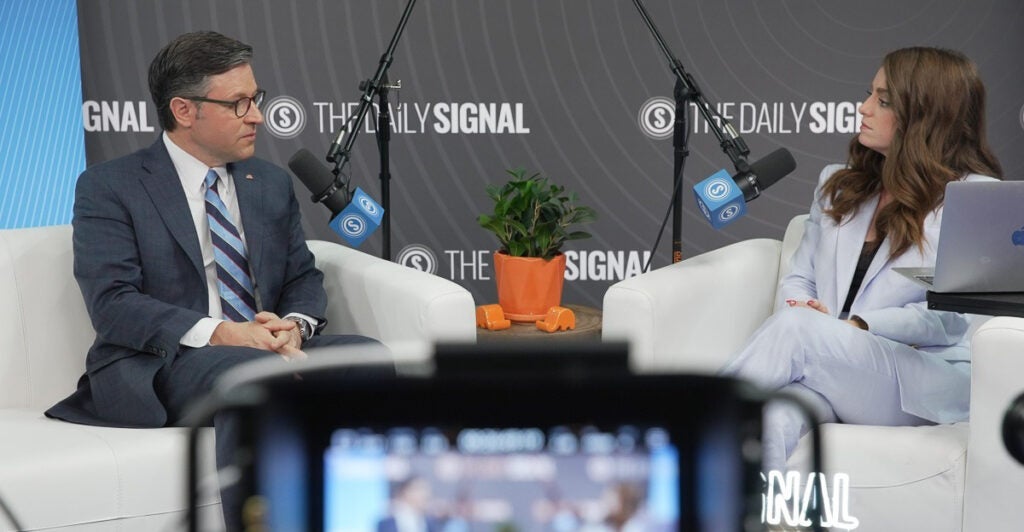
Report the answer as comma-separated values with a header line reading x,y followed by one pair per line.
x,y
579,90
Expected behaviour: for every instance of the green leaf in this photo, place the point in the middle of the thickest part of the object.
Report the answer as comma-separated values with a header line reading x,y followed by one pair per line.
x,y
532,215
578,235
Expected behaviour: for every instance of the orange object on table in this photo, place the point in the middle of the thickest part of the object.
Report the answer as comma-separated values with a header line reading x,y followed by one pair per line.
x,y
491,317
557,319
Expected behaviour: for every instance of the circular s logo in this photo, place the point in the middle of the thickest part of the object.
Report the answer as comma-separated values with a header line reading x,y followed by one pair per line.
x,y
368,206
353,226
284,117
729,213
716,189
418,257
656,117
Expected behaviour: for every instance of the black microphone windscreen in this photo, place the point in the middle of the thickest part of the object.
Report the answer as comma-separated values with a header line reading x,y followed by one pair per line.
x,y
316,178
1013,429
773,167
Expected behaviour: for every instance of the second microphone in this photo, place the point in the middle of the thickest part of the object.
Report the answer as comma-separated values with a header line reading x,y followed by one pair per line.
x,y
723,198
354,219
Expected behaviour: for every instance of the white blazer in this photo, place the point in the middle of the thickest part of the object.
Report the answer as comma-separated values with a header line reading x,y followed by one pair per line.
x,y
893,306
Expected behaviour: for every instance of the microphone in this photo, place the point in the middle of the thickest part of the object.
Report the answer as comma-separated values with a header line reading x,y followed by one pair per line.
x,y
1013,429
723,198
354,219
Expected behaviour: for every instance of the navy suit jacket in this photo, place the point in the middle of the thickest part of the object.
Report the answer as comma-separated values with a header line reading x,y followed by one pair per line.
x,y
139,266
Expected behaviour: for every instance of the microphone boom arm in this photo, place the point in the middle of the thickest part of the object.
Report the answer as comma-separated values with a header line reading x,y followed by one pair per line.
x,y
686,90
339,153
730,141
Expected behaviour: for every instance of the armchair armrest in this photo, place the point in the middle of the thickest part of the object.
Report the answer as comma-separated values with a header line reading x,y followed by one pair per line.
x,y
377,298
994,479
693,315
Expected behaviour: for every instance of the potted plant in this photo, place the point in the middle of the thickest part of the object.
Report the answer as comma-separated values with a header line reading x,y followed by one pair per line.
x,y
532,219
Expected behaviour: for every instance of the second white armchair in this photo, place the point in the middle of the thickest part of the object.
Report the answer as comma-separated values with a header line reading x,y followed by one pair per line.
x,y
693,315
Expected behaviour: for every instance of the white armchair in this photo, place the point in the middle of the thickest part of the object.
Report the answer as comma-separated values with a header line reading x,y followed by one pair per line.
x,y
693,315
406,309
58,475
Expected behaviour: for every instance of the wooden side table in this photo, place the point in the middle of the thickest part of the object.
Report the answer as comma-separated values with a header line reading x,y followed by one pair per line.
x,y
588,328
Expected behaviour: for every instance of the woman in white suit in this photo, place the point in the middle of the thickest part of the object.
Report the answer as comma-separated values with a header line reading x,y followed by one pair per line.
x,y
853,338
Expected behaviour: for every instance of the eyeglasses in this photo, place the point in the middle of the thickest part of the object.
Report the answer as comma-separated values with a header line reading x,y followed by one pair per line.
x,y
241,105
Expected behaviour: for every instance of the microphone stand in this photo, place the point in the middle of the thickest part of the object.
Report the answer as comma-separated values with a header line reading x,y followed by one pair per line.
x,y
681,151
686,91
384,147
339,153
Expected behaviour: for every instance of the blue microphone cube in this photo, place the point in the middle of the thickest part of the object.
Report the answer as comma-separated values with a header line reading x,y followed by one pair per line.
x,y
360,218
719,199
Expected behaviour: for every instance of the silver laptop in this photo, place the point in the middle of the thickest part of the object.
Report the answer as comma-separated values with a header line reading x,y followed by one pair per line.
x,y
981,246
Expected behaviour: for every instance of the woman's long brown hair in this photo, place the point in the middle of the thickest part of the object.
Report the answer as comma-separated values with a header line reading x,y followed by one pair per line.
x,y
939,101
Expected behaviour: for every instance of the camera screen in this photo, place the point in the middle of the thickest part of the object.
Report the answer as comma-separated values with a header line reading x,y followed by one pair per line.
x,y
436,479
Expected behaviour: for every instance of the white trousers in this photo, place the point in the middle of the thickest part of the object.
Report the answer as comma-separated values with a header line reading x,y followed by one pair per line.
x,y
843,373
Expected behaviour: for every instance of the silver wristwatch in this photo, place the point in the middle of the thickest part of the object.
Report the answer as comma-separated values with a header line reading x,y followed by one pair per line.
x,y
305,329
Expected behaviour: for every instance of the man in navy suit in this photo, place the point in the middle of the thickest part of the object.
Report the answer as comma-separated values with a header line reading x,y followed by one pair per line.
x,y
190,253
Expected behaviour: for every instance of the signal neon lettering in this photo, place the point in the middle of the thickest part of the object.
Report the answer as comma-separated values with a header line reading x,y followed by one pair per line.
x,y
785,503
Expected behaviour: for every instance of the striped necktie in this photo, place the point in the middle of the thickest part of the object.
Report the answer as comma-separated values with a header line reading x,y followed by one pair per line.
x,y
233,281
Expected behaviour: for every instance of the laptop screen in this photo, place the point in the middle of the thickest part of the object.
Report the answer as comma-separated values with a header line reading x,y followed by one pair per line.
x,y
981,247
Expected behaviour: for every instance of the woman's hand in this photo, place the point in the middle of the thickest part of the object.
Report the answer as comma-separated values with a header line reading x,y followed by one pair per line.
x,y
817,305
810,303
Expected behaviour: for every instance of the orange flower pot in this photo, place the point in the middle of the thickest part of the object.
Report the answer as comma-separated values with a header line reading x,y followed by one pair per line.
x,y
528,286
